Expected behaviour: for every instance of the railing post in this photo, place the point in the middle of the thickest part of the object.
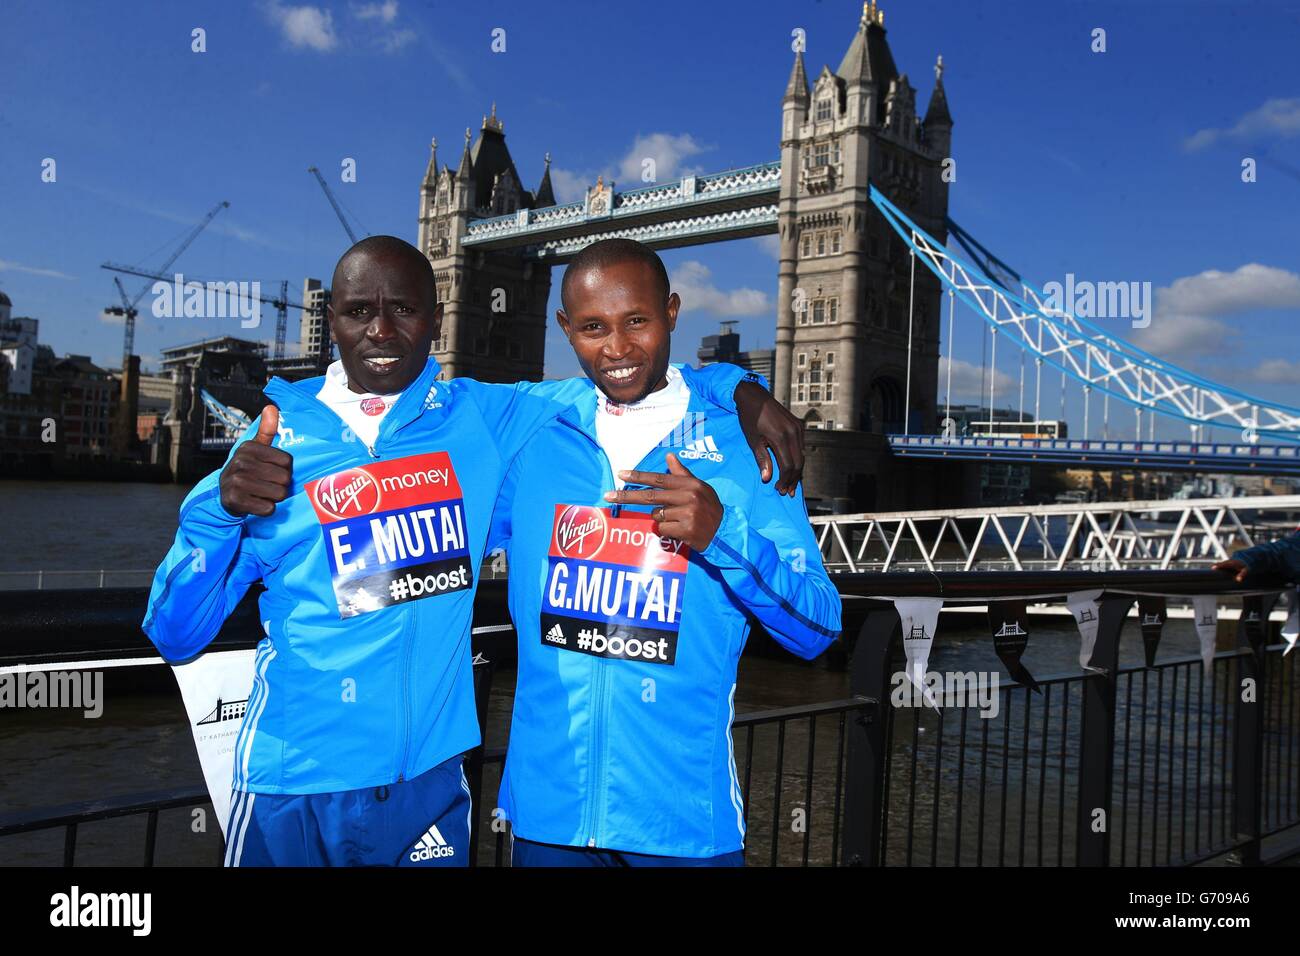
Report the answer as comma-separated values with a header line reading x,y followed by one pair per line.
x,y
1097,738
867,752
1248,727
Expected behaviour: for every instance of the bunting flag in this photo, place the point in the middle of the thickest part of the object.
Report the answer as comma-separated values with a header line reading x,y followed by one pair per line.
x,y
1152,612
1086,611
920,617
1008,621
1255,620
215,687
1291,628
1206,609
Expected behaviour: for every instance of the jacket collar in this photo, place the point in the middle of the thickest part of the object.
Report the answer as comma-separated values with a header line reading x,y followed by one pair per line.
x,y
582,414
425,391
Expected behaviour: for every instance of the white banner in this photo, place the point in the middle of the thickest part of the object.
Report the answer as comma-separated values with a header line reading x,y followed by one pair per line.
x,y
1206,609
1291,627
215,689
1086,611
920,617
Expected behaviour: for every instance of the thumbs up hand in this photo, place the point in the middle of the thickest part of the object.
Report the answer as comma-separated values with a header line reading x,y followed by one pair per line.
x,y
257,476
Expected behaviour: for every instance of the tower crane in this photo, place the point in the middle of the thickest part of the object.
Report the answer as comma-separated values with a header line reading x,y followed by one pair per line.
x,y
128,308
352,237
281,303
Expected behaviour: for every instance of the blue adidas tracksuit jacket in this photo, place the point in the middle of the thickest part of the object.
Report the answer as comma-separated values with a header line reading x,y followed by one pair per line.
x,y
364,676
628,643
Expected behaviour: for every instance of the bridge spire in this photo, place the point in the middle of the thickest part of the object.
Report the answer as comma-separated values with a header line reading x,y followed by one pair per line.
x,y
868,59
797,89
431,173
937,117
466,168
545,194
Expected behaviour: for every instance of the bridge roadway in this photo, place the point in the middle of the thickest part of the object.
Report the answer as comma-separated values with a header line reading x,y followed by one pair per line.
x,y
1204,457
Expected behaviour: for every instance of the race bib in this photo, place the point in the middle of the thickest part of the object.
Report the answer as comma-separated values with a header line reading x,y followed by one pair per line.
x,y
614,586
394,532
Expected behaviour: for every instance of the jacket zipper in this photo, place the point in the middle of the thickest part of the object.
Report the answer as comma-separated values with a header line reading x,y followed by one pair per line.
x,y
599,703
409,628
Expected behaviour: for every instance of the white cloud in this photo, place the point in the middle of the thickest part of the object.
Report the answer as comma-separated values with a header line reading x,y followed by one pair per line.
x,y
1278,371
693,282
385,12
1252,286
305,26
394,40
771,245
1276,116
1189,312
660,153
7,265
569,186
1172,335
970,383
665,149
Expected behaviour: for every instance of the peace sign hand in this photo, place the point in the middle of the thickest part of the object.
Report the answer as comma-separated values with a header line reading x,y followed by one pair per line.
x,y
685,507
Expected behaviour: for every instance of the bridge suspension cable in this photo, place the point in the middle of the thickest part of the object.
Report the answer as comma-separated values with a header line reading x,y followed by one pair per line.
x,y
1082,350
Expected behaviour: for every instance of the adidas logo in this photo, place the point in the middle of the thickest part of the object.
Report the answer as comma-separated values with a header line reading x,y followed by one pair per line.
x,y
556,636
704,448
431,846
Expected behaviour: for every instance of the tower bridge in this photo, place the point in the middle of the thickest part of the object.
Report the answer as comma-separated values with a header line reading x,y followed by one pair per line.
x,y
858,199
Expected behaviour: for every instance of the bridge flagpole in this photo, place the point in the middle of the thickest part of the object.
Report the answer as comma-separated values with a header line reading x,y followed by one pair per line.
x,y
947,401
911,299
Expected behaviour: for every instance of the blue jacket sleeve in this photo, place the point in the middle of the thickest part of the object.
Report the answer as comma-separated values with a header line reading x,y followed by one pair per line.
x,y
517,411
208,569
1280,557
771,562
501,529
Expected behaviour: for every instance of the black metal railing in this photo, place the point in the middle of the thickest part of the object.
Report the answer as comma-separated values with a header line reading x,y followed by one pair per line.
x,y
1112,765
1159,765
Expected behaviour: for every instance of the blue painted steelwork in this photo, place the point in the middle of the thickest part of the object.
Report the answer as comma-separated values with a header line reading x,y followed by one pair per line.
x,y
1085,352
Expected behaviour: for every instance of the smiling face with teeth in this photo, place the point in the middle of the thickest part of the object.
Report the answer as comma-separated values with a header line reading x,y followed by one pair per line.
x,y
384,314
619,318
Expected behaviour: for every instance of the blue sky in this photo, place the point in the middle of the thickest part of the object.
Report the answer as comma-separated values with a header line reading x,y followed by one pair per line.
x,y
1115,166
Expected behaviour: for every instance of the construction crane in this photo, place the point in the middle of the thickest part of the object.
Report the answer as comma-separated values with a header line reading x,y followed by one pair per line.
x,y
281,303
352,237
128,309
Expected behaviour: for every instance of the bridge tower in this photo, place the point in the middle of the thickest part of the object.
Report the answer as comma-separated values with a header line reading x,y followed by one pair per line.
x,y
844,277
494,304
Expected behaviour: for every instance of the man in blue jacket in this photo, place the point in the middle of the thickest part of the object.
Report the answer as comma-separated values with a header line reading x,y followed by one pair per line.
x,y
362,500
1279,559
640,542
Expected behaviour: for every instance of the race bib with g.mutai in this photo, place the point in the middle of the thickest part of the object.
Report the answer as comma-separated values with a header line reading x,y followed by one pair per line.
x,y
614,586
394,532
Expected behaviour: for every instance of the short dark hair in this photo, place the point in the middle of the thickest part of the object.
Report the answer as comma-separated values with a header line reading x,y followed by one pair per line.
x,y
609,252
396,248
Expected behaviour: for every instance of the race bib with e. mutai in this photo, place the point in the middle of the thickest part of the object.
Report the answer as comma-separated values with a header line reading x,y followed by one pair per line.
x,y
614,586
394,532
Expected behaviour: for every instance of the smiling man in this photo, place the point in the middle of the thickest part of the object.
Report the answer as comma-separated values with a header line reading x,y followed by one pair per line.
x,y
362,501
634,571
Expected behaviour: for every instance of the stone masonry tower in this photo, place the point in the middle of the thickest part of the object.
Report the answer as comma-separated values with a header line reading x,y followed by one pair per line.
x,y
844,280
494,304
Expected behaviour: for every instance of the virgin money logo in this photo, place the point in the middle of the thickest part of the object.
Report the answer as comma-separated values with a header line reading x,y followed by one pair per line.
x,y
580,531
348,494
